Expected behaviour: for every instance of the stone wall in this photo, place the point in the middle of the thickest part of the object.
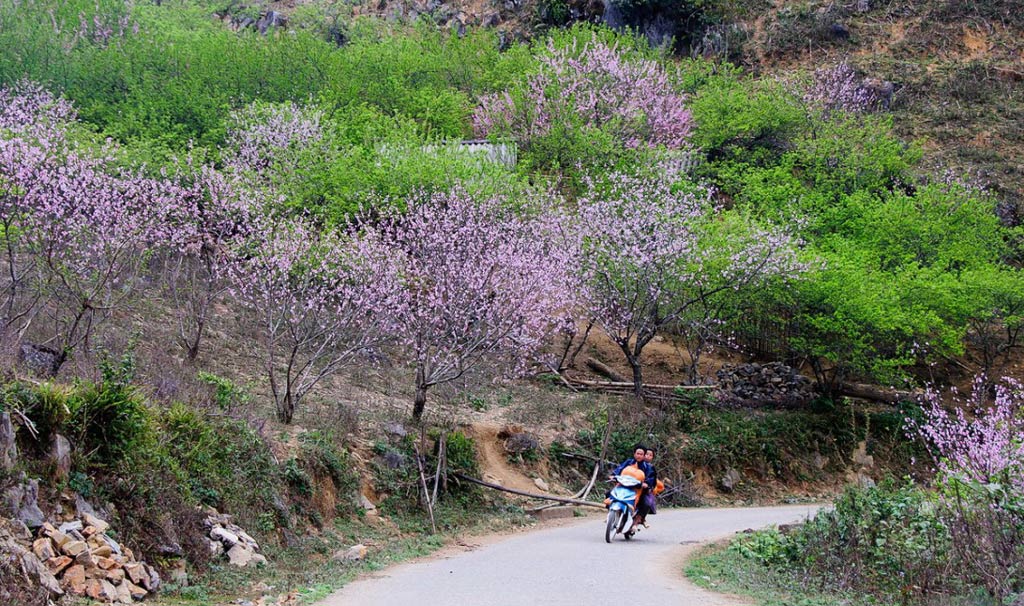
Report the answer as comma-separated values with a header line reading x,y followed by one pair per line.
x,y
758,384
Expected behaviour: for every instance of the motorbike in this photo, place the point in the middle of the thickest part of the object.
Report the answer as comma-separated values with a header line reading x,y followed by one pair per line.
x,y
621,504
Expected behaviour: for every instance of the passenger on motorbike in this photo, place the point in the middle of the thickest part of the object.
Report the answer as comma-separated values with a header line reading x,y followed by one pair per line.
x,y
648,503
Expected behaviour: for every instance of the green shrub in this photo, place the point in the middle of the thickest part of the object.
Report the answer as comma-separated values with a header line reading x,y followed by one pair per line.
x,y
222,461
460,452
888,540
47,405
322,456
297,478
227,395
770,443
109,423
768,547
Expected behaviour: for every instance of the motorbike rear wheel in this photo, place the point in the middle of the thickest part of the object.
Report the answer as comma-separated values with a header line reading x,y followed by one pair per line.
x,y
613,524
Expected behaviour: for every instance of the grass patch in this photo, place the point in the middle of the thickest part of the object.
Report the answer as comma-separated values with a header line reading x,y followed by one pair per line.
x,y
721,567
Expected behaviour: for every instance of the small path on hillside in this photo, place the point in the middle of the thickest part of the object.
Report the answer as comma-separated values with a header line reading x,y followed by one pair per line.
x,y
493,460
568,565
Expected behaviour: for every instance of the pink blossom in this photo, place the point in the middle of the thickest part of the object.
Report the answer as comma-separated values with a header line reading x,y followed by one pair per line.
x,y
321,300
986,449
478,282
594,87
648,254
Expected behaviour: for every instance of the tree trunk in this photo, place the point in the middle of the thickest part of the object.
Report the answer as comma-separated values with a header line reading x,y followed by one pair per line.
x,y
420,403
192,346
633,358
638,379
286,408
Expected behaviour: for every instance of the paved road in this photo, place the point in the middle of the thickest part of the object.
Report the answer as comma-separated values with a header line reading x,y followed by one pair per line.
x,y
566,566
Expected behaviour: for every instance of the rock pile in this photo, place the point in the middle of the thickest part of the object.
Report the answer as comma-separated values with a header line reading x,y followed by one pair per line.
x,y
79,558
772,383
230,540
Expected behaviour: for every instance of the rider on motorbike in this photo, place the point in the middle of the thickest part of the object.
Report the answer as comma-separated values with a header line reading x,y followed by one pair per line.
x,y
639,459
647,502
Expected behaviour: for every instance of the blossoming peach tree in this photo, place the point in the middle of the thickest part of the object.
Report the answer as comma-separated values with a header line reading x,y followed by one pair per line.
x,y
650,252
978,451
479,282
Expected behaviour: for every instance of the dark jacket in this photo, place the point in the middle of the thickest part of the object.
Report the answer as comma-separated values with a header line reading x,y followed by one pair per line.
x,y
650,476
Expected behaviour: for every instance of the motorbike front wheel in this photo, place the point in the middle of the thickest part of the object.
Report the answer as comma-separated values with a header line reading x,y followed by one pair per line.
x,y
613,524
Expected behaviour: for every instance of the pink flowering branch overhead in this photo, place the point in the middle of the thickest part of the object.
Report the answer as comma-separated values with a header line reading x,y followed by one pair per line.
x,y
479,283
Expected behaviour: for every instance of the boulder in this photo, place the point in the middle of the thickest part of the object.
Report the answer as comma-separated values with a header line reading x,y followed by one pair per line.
x,y
95,522
136,573
74,580
352,554
43,361
74,548
36,570
72,526
270,20
19,531
245,538
43,548
153,581
59,539
225,536
216,548
124,595
83,507
241,555
23,500
115,549
101,590
541,484
730,479
134,590
58,564
114,575
86,560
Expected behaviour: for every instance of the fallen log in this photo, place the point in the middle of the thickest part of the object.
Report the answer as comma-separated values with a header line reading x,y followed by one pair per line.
x,y
878,394
626,385
605,371
528,494
585,457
